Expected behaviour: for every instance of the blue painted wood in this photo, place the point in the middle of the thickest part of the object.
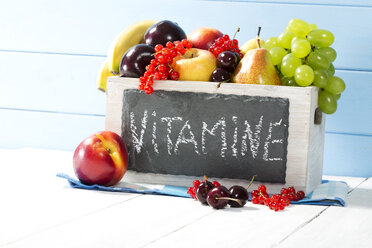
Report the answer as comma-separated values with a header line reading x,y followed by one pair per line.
x,y
354,110
356,3
63,83
345,155
19,129
87,27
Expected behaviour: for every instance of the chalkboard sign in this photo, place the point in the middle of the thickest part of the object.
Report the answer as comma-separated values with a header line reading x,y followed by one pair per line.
x,y
196,134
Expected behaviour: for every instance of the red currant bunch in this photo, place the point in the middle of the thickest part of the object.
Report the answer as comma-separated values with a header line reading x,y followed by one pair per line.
x,y
278,201
224,43
192,190
160,67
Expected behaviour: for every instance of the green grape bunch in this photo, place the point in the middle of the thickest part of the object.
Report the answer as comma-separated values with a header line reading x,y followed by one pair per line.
x,y
303,56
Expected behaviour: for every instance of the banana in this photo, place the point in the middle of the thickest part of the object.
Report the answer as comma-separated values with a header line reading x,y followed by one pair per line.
x,y
129,37
251,44
102,76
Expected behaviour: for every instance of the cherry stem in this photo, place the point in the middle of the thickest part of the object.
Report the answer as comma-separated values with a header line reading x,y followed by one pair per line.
x,y
229,198
236,32
219,84
258,37
249,185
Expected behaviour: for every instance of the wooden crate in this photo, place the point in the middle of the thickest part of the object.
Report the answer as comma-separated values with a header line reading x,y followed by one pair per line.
x,y
304,145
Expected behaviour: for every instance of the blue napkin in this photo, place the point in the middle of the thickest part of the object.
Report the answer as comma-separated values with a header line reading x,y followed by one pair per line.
x,y
329,193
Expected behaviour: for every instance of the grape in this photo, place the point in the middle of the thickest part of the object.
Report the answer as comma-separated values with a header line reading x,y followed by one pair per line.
x,y
335,85
331,70
312,26
289,65
320,38
318,61
320,78
304,75
300,47
288,81
285,38
327,102
270,43
298,27
329,52
277,54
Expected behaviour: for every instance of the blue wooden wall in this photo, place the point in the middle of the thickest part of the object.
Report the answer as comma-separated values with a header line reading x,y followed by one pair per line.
x,y
50,52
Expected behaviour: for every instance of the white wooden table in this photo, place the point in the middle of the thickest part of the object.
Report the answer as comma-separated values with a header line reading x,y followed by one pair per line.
x,y
37,209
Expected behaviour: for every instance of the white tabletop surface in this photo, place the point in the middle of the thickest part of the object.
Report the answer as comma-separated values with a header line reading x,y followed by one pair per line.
x,y
37,209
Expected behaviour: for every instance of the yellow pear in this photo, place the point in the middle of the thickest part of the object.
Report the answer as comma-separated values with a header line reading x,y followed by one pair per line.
x,y
251,44
256,67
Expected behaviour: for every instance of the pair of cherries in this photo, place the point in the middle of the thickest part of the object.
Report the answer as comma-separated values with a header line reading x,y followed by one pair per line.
x,y
218,196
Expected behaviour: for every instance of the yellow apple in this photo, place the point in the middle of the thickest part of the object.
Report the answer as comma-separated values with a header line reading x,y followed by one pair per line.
x,y
195,65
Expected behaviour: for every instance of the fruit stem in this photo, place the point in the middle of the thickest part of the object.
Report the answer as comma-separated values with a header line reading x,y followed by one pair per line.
x,y
229,198
249,185
236,32
263,195
258,37
219,84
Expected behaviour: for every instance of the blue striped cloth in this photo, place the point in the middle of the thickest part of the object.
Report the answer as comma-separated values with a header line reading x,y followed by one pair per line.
x,y
329,193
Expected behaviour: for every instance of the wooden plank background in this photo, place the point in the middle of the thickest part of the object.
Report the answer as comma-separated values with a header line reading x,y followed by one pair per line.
x,y
50,52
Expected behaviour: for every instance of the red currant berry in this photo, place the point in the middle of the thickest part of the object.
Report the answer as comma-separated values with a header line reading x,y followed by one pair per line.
x,y
216,184
142,80
184,42
174,75
149,90
283,191
179,46
226,37
301,194
196,183
255,200
150,68
157,75
162,59
147,74
150,81
255,193
169,45
162,68
291,190
154,62
225,47
174,53
262,188
291,196
158,48
141,87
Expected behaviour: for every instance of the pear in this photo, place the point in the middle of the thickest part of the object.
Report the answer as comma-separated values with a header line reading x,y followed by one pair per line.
x,y
251,44
256,67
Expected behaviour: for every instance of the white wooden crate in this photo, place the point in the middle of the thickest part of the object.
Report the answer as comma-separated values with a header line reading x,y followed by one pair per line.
x,y
305,138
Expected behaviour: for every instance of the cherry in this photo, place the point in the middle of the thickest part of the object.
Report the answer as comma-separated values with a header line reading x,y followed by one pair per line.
x,y
240,193
227,60
202,190
219,197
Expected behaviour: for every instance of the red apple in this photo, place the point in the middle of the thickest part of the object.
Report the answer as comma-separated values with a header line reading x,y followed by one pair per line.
x,y
195,65
204,37
101,159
